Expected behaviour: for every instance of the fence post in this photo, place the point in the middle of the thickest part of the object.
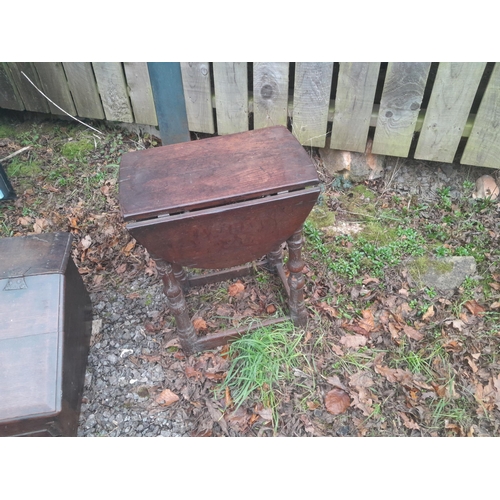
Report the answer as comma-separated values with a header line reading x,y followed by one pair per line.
x,y
168,95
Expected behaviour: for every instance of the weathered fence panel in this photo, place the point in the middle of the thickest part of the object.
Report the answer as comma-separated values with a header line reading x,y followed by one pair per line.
x,y
9,96
270,94
55,87
399,107
382,101
356,88
449,106
140,92
198,93
231,97
83,88
32,99
483,147
113,89
311,101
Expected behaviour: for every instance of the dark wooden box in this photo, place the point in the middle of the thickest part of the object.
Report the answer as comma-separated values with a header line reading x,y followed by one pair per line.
x,y
45,328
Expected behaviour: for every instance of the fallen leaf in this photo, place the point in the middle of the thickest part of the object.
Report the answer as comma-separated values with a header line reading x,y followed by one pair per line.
x,y
199,324
368,321
353,341
396,375
86,242
192,373
495,305
408,422
121,268
128,247
361,379
474,308
40,225
337,401
166,398
337,350
458,324
236,289
24,221
429,313
228,399
312,405
328,309
412,333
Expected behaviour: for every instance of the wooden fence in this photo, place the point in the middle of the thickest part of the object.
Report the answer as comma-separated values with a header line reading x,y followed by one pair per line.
x,y
430,111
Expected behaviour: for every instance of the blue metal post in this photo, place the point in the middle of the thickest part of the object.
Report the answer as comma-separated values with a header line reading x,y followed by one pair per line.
x,y
168,95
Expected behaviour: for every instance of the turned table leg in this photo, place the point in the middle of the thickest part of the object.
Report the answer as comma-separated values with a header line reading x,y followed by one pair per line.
x,y
296,279
177,304
181,276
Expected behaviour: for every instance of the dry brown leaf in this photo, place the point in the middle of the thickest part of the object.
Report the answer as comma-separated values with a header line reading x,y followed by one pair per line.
x,y
128,247
495,305
412,333
394,330
337,350
396,375
353,341
24,221
199,324
337,401
236,289
368,321
192,373
361,379
86,242
166,398
429,313
329,310
121,268
474,308
408,422
40,225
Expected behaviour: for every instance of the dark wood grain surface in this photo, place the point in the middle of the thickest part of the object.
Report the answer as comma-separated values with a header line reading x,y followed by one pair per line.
x,y
225,236
211,172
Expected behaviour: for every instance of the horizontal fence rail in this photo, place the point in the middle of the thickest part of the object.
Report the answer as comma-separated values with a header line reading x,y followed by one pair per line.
x,y
442,112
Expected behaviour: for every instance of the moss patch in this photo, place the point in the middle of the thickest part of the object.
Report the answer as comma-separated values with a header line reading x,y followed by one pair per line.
x,y
6,131
76,150
321,217
422,265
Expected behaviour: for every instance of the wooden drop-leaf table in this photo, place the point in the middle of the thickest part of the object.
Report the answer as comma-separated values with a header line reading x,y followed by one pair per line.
x,y
220,203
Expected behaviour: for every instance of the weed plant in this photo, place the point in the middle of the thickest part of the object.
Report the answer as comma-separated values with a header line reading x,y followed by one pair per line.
x,y
260,361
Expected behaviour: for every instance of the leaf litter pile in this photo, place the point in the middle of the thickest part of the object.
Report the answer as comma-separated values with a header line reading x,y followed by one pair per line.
x,y
385,352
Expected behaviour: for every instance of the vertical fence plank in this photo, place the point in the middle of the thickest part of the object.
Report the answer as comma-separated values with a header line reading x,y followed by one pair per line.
x,y
33,100
55,86
311,100
354,105
483,146
113,90
270,94
401,98
141,94
231,97
168,95
9,97
449,107
198,95
83,88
